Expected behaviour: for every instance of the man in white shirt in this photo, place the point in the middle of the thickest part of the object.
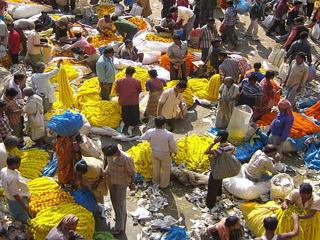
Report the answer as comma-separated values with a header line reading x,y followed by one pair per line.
x,y
169,101
162,145
16,83
185,17
41,84
262,162
15,190
3,33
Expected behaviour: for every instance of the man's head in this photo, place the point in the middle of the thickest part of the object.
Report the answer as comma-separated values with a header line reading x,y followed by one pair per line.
x,y
128,43
78,17
111,151
257,66
304,35
114,18
230,3
228,81
168,17
299,20
108,52
38,27
40,67
174,12
270,223
223,135
81,167
297,3
180,87
305,191
78,35
270,74
300,58
18,78
176,39
28,91
223,56
130,71
11,93
284,106
44,14
210,22
107,18
13,162
3,105
252,79
232,223
153,73
11,142
215,42
159,122
270,150
10,27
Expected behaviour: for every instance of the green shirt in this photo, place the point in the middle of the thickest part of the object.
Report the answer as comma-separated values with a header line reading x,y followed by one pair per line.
x,y
124,26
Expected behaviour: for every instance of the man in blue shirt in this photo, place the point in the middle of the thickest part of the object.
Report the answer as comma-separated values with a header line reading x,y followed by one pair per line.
x,y
106,72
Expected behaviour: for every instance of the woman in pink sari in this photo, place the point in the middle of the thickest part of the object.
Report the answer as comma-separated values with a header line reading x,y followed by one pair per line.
x,y
270,96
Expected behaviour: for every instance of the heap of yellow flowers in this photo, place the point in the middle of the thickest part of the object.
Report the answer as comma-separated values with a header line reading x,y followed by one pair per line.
x,y
48,199
204,89
89,91
33,161
65,93
187,94
139,22
41,185
154,37
70,70
141,155
104,10
99,40
191,152
50,217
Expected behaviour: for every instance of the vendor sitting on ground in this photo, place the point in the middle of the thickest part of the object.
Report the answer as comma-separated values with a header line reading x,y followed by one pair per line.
x,y
250,91
304,199
270,225
105,25
167,25
125,28
46,21
90,175
227,229
61,30
256,71
130,52
262,162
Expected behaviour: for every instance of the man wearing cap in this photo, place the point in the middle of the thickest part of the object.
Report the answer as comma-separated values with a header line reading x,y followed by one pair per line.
x,y
208,33
106,72
177,53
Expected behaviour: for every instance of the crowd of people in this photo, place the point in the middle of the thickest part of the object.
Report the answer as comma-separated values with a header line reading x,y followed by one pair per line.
x,y
24,103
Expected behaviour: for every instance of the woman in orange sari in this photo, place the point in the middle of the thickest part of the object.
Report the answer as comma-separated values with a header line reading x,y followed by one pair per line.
x,y
68,154
270,96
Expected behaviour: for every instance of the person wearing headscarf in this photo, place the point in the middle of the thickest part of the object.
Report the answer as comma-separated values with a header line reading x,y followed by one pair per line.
x,y
65,230
281,126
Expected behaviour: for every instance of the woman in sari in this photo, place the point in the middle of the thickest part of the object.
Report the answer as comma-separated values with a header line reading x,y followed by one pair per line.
x,y
155,88
68,154
270,96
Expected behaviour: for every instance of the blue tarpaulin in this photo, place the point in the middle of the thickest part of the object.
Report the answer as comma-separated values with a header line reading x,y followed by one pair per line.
x,y
177,233
86,199
312,156
51,168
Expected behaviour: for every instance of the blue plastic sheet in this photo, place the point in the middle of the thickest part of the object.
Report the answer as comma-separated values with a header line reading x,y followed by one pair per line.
x,y
177,233
308,102
246,150
86,199
139,178
66,124
51,168
312,156
242,6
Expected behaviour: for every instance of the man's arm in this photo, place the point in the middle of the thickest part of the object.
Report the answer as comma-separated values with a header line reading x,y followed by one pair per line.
x,y
295,231
172,144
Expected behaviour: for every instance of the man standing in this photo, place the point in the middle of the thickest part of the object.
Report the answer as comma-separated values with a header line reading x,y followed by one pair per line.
x,y
229,25
125,28
41,85
177,53
128,90
229,67
17,83
106,72
5,129
162,145
256,13
297,77
281,9
120,173
169,101
208,33
15,190
185,17
13,44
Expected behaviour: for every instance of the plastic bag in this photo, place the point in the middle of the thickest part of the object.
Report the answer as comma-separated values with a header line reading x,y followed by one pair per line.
x,y
312,73
239,123
312,157
176,233
89,148
151,57
26,11
315,33
136,10
86,199
225,165
276,57
241,187
283,71
66,124
281,185
242,7
51,168
268,21
24,24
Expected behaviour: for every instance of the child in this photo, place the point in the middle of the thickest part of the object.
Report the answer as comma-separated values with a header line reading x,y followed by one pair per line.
x,y
271,224
13,44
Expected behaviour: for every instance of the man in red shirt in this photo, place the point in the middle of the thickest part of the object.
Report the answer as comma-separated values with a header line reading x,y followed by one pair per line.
x,y
128,90
13,44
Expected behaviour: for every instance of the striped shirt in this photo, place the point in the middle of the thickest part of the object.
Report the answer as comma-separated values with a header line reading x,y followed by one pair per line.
x,y
5,129
13,111
250,90
230,68
224,147
230,17
207,35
